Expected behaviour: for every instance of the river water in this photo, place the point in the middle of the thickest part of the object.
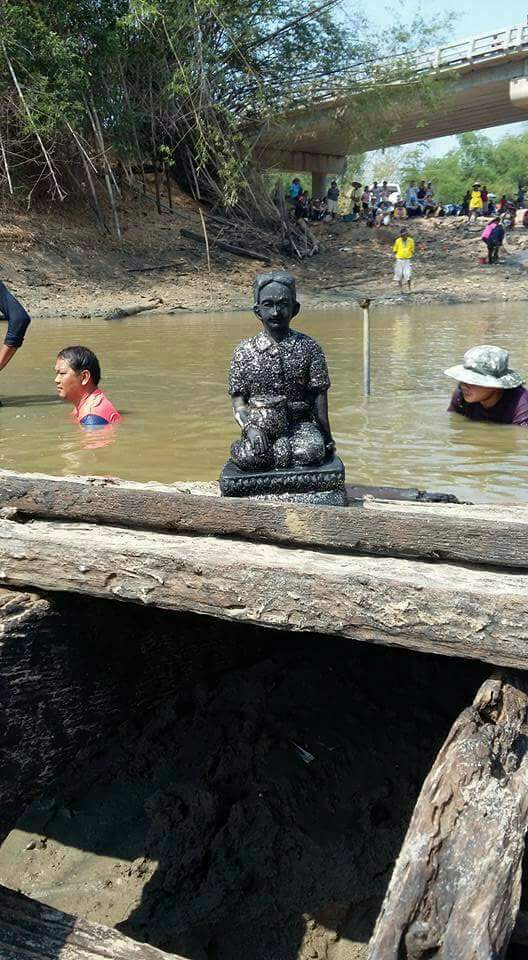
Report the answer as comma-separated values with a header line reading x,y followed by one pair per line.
x,y
168,376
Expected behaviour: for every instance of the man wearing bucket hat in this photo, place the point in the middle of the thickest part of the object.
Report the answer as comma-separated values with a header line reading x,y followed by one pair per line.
x,y
488,389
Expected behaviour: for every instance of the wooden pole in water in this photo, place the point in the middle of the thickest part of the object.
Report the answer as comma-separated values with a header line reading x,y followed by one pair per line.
x,y
365,304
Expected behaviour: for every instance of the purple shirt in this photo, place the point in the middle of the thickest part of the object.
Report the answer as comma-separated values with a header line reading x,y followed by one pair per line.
x,y
511,408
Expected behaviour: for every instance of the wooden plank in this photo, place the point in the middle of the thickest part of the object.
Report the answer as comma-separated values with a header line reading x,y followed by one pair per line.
x,y
456,887
489,534
29,930
441,608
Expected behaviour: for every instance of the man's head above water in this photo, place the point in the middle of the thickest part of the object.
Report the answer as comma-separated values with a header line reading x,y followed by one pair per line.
x,y
275,301
484,375
77,373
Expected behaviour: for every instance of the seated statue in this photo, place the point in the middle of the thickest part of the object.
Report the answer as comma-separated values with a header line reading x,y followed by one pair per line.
x,y
278,382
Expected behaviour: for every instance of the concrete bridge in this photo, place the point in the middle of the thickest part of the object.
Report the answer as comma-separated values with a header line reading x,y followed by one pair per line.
x,y
485,84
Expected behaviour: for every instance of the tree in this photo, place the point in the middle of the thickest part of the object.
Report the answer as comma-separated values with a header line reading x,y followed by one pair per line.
x,y
179,84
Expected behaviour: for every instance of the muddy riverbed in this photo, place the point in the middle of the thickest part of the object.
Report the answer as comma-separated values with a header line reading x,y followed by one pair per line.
x,y
252,799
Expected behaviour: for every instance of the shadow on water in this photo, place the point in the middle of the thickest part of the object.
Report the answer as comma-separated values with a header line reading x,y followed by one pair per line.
x,y
200,828
31,400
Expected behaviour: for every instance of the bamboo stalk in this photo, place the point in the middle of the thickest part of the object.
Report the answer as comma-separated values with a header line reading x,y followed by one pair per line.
x,y
6,165
206,238
45,153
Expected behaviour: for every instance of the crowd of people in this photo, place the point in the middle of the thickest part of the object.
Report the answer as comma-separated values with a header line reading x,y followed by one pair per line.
x,y
306,207
381,203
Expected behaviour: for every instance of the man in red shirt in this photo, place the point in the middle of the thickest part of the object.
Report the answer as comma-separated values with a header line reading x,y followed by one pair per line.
x,y
77,375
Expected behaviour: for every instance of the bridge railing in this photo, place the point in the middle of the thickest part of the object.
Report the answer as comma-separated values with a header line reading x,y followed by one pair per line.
x,y
474,49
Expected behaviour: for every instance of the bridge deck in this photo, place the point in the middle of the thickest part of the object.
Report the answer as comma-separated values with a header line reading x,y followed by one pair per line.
x,y
478,71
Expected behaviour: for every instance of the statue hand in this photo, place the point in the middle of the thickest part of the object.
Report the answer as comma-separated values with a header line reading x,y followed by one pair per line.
x,y
257,439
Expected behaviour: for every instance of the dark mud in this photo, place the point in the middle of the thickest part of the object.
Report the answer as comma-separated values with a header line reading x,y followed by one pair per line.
x,y
200,828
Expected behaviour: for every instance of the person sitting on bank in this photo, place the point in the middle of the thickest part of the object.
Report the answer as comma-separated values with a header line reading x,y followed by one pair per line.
x,y
77,376
302,206
487,388
403,250
18,321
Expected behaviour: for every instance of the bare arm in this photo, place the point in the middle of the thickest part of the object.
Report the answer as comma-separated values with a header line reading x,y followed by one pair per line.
x,y
5,355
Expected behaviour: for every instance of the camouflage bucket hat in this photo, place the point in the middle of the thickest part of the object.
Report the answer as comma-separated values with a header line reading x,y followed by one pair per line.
x,y
486,366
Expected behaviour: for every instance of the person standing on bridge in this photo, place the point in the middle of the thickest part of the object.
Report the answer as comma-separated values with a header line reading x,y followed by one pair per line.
x,y
18,321
403,250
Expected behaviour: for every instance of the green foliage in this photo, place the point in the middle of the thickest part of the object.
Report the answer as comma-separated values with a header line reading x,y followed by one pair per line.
x,y
186,81
500,166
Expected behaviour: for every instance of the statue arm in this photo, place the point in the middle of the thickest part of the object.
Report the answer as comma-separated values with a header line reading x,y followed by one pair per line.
x,y
321,416
240,410
257,438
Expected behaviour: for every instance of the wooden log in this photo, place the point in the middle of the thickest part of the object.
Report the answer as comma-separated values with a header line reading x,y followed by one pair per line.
x,y
455,890
493,535
19,611
228,247
132,309
29,930
440,608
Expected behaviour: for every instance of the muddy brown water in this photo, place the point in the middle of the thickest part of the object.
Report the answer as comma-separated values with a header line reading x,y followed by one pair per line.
x,y
168,375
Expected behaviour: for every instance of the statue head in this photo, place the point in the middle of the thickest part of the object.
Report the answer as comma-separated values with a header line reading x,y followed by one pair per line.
x,y
275,300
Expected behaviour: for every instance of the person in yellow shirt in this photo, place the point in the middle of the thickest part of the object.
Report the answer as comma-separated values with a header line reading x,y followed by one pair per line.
x,y
475,202
403,250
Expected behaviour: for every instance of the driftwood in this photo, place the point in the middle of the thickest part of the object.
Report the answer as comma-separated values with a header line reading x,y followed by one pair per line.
x,y
491,535
132,309
440,608
456,886
29,930
158,266
228,247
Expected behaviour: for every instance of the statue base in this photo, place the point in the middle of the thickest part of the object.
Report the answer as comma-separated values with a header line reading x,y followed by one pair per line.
x,y
323,484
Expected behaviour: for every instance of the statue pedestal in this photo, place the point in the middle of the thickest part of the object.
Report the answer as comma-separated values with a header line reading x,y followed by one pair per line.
x,y
323,484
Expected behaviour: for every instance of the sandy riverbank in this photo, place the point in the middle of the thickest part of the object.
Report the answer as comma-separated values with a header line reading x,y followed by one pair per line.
x,y
59,264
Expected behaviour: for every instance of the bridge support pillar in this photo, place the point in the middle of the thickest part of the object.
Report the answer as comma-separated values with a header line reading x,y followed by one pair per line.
x,y
519,92
319,184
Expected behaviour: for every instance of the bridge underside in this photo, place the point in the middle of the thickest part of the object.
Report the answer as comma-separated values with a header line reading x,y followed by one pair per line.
x,y
318,140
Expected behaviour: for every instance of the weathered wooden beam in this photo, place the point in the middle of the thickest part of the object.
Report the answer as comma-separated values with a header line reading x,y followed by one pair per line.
x,y
456,610
29,930
20,612
493,535
456,886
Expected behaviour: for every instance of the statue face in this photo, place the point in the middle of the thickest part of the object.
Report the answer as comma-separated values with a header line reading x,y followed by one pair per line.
x,y
276,306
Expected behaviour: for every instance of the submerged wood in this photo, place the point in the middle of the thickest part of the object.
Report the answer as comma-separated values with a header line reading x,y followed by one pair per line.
x,y
132,309
440,608
493,535
456,886
30,930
